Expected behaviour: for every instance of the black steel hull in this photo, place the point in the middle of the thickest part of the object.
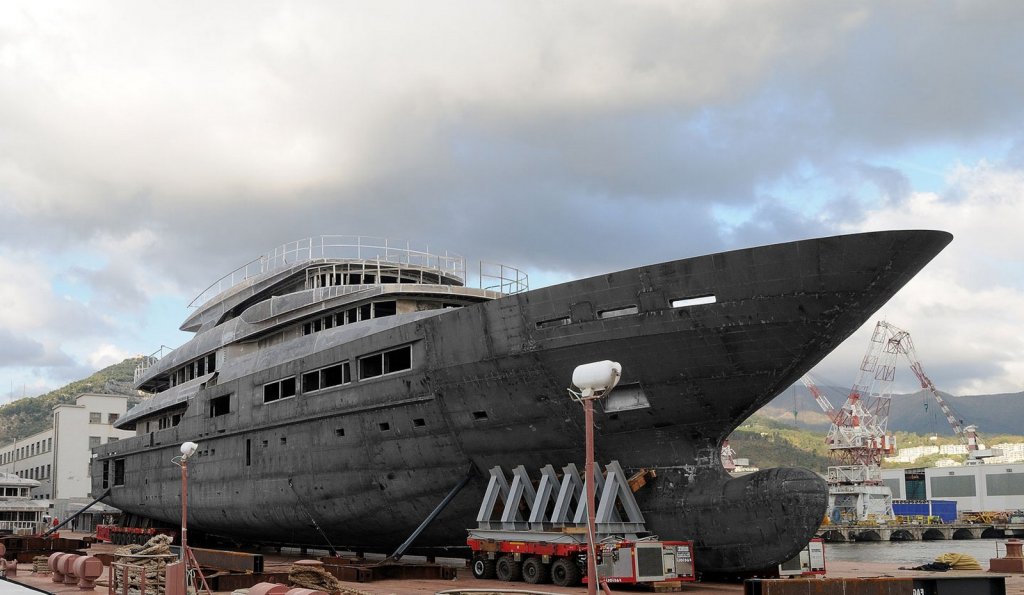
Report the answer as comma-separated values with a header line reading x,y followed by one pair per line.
x,y
489,388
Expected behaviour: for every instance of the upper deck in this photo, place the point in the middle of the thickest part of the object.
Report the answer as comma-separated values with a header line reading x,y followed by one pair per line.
x,y
392,260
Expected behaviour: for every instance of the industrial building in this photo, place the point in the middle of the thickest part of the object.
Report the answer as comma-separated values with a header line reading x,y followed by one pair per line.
x,y
990,487
60,458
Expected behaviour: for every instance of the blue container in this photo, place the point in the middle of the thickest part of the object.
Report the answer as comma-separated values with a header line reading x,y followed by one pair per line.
x,y
944,509
911,507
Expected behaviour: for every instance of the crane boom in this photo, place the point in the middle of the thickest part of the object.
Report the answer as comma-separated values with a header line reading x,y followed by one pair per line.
x,y
906,347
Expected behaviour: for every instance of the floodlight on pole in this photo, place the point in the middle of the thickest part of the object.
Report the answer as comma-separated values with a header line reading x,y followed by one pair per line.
x,y
189,566
594,381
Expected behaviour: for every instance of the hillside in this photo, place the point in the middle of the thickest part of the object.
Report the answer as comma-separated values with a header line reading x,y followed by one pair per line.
x,y
28,416
914,412
768,443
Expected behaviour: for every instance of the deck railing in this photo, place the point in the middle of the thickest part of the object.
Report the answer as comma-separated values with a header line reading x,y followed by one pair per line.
x,y
358,248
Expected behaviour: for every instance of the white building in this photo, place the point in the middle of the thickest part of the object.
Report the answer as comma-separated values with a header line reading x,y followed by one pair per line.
x,y
990,487
60,458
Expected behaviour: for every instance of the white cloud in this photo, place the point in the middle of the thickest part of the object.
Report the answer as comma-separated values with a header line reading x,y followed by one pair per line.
x,y
964,309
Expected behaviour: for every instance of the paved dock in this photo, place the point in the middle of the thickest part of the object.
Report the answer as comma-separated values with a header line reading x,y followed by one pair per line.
x,y
465,580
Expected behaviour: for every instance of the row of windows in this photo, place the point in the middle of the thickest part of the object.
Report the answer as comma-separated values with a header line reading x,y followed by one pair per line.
x,y
40,472
95,417
383,426
194,369
15,492
370,366
364,312
29,450
628,311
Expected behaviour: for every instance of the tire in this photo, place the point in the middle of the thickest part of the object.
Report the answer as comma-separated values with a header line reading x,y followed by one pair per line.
x,y
508,569
482,567
565,573
536,572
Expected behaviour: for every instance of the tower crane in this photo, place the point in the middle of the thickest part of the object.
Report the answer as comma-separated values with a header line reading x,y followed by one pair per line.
x,y
968,435
858,437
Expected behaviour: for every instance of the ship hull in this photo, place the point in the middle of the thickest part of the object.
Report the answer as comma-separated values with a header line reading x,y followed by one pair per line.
x,y
369,461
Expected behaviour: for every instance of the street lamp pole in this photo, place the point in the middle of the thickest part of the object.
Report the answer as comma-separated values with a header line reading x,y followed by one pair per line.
x,y
595,380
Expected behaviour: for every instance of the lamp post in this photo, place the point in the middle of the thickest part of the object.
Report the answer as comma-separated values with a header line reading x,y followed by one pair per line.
x,y
594,380
187,450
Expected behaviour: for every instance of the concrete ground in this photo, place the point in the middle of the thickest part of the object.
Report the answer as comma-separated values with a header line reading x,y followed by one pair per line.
x,y
465,580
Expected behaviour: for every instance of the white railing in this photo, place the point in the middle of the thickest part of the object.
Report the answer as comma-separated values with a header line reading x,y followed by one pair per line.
x,y
360,248
149,360
13,526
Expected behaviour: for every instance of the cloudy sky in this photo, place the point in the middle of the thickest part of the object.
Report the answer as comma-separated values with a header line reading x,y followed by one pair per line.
x,y
147,148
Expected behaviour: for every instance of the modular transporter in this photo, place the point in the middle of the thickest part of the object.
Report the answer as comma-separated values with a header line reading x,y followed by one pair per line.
x,y
340,387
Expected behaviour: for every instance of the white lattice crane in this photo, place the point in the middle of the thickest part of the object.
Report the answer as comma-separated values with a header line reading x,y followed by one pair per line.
x,y
968,435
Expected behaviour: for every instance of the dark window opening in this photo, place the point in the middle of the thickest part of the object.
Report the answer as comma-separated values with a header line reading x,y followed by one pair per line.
x,y
307,328
310,382
248,452
201,363
372,366
282,389
398,359
384,426
175,419
335,375
479,415
119,472
366,312
284,440
419,422
554,322
385,309
339,432
211,363
105,483
220,406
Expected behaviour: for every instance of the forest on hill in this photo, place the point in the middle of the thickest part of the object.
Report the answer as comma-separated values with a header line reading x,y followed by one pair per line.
x,y
32,415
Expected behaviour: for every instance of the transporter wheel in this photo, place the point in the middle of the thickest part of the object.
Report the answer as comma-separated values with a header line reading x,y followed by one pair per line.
x,y
535,571
482,567
565,573
508,569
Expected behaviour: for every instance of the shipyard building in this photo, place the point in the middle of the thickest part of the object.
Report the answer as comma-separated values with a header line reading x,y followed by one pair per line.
x,y
59,459
990,487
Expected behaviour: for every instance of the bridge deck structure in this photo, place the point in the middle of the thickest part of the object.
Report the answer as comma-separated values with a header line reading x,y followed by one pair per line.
x,y
919,531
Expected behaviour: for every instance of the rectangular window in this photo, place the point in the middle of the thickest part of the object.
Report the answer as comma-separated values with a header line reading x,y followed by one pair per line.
x,y
617,312
335,375
112,417
220,406
365,312
106,475
385,309
1005,484
201,366
693,301
371,366
282,389
248,452
95,417
94,441
310,381
394,360
957,486
397,360
211,363
119,472
554,322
